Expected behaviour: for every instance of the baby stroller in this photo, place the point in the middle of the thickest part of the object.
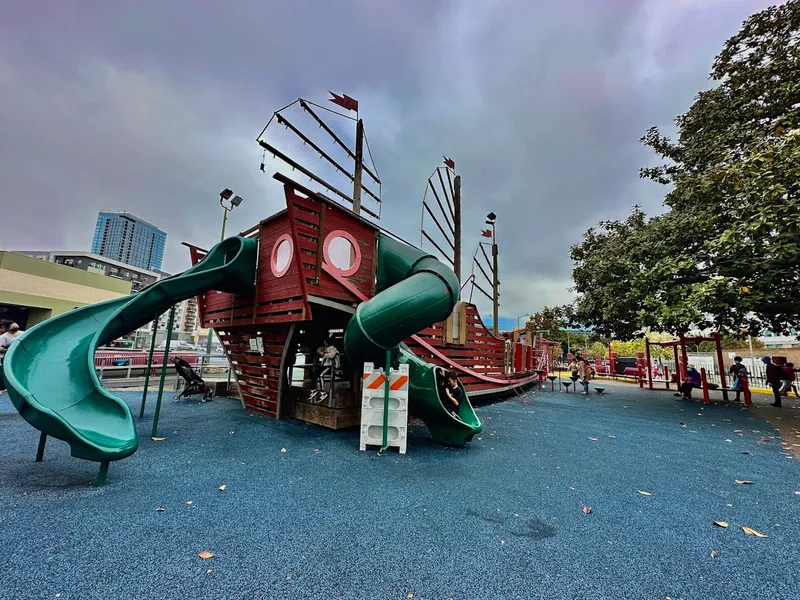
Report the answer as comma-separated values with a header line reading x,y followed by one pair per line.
x,y
194,383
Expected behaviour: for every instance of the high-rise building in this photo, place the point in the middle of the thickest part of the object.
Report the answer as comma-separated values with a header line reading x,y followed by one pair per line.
x,y
129,239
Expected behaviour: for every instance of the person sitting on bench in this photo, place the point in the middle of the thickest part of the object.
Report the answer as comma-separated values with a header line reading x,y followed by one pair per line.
x,y
739,373
693,380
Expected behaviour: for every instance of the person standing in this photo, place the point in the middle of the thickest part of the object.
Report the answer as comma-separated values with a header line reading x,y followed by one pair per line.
x,y
584,374
774,376
739,373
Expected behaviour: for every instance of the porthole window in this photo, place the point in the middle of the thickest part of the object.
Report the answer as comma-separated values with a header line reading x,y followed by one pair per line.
x,y
282,253
342,252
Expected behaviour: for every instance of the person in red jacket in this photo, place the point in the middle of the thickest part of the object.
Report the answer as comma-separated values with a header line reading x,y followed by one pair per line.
x,y
774,376
788,381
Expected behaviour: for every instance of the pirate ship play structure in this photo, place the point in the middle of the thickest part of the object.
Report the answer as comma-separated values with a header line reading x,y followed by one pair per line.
x,y
327,272
316,270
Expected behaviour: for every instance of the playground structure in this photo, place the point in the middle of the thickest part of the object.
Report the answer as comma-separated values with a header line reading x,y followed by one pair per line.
x,y
315,271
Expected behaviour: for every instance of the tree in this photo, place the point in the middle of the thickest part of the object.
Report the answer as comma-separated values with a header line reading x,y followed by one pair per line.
x,y
726,254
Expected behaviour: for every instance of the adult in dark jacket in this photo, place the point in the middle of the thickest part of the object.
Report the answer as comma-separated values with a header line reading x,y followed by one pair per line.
x,y
774,377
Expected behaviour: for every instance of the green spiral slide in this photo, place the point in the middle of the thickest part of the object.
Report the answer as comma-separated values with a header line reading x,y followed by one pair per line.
x,y
50,374
416,290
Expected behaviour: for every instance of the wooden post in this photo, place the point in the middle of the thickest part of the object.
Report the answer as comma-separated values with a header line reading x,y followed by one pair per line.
x,y
721,365
684,358
704,382
677,367
359,167
457,223
647,364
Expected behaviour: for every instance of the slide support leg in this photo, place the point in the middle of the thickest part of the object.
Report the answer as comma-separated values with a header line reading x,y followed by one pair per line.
x,y
102,476
40,449
163,371
154,329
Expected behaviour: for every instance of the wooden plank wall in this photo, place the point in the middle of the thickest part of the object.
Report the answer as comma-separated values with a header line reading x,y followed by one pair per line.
x,y
482,352
314,220
258,372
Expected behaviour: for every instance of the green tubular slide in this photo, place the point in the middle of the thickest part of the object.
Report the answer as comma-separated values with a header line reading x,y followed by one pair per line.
x,y
50,374
416,290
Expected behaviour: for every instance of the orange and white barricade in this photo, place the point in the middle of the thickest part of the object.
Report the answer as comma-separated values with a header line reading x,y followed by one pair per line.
x,y
372,407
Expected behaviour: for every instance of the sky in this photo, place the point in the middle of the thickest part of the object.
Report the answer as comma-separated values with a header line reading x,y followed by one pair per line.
x,y
154,107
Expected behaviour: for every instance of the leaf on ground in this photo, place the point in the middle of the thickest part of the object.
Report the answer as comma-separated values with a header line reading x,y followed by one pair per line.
x,y
572,488
409,595
593,439
613,437
516,516
745,453
644,493
729,441
683,424
721,523
750,531
231,432
205,555
730,505
283,450
222,488
742,481
158,439
714,554
587,510
737,431
209,571
160,509
188,502
502,542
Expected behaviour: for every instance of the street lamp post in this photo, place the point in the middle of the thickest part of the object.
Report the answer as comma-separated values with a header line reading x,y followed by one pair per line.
x,y
228,201
491,218
525,315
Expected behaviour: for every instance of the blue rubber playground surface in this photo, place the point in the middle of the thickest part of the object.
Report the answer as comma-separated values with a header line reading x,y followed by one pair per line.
x,y
501,519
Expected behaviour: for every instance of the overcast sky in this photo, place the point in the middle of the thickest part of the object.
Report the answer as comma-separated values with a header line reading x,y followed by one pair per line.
x,y
153,107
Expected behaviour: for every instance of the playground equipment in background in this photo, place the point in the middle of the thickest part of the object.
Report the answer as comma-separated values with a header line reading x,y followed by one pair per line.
x,y
50,369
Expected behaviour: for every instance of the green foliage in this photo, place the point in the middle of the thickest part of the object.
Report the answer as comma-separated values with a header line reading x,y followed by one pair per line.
x,y
730,342
726,254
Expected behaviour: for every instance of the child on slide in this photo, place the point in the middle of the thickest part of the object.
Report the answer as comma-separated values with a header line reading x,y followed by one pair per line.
x,y
451,394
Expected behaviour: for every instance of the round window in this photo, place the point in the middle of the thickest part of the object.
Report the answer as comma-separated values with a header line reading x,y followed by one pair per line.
x,y
281,255
342,252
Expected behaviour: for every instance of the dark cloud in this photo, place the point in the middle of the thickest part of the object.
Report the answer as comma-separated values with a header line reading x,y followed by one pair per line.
x,y
153,107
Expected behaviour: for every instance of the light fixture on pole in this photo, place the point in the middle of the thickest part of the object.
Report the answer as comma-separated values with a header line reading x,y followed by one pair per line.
x,y
525,315
228,201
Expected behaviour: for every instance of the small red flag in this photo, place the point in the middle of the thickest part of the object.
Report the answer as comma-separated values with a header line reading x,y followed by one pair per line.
x,y
449,162
486,233
344,101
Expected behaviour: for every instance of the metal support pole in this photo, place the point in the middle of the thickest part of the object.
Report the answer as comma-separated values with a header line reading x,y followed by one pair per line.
x,y
149,366
386,386
649,368
163,371
457,234
496,288
359,167
40,449
210,336
102,476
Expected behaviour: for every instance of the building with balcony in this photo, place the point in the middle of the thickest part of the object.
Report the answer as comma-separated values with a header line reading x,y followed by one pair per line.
x,y
128,239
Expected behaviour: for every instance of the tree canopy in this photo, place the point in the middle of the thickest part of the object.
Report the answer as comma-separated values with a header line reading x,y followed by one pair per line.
x,y
726,253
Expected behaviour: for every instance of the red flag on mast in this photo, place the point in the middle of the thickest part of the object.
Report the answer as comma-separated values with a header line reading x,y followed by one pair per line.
x,y
486,233
449,162
344,101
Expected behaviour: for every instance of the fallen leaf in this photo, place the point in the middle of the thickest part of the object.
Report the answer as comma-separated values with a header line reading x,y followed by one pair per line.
x,y
714,554
587,510
222,488
58,595
160,509
644,493
283,450
502,542
409,595
231,432
205,555
729,441
188,502
516,516
593,439
737,431
742,481
745,453
750,531
613,437
573,489
721,523
731,505
209,571
157,439
683,424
